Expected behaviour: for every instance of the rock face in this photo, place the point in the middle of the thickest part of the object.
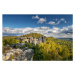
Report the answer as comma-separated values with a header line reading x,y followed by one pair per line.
x,y
18,45
19,55
33,40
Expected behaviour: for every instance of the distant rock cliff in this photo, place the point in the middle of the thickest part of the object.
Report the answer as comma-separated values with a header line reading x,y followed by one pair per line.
x,y
18,55
32,40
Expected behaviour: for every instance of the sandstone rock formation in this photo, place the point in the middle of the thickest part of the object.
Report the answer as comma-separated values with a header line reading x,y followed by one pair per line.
x,y
32,40
18,55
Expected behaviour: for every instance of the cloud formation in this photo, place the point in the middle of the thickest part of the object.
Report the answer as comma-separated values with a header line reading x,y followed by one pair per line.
x,y
41,20
52,23
35,17
57,21
68,29
65,32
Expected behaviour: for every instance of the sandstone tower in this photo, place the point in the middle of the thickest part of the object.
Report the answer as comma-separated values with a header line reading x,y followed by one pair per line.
x,y
30,41
44,39
39,40
34,41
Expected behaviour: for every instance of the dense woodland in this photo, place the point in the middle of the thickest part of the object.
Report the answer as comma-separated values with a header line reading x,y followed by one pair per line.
x,y
54,49
33,35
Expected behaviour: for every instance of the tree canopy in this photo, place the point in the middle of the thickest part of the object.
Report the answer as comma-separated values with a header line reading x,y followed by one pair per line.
x,y
37,35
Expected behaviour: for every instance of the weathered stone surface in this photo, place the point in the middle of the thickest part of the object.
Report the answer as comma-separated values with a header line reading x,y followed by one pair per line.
x,y
32,40
18,55
18,45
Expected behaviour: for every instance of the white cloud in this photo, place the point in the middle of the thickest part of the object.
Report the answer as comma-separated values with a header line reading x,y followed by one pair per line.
x,y
41,20
62,19
57,21
65,32
65,22
55,29
35,17
52,22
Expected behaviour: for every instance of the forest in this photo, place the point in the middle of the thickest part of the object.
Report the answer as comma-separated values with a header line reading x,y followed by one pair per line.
x,y
32,35
53,50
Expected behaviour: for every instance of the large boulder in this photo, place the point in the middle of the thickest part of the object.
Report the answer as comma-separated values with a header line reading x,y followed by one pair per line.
x,y
18,55
6,56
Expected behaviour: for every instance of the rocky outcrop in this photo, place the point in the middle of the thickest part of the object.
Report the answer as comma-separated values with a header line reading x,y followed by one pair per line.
x,y
32,40
18,45
18,55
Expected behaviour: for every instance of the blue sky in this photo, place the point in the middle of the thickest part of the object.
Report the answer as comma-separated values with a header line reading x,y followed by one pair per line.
x,y
48,25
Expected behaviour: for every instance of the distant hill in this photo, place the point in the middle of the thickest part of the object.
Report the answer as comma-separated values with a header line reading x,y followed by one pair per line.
x,y
37,35
68,39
